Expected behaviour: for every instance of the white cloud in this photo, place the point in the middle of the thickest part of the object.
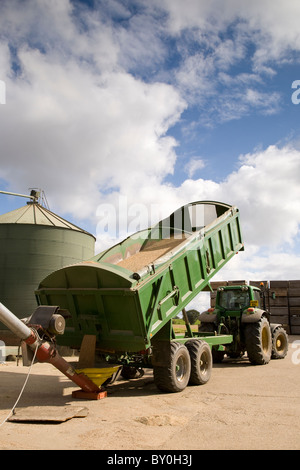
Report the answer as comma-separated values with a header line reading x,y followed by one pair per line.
x,y
78,128
265,188
193,166
79,124
88,136
224,39
271,22
268,102
256,264
194,77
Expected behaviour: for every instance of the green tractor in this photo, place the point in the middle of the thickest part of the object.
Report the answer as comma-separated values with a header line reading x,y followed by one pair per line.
x,y
241,312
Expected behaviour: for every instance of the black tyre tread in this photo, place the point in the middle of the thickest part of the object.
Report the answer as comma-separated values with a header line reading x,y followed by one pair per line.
x,y
276,354
196,349
253,339
164,376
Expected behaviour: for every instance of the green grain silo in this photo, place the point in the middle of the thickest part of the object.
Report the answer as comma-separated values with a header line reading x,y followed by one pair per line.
x,y
34,242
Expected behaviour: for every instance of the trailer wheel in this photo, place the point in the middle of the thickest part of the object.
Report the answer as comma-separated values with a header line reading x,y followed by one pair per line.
x,y
258,341
201,361
280,343
175,376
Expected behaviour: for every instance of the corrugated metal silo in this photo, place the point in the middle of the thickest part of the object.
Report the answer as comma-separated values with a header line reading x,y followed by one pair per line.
x,y
34,242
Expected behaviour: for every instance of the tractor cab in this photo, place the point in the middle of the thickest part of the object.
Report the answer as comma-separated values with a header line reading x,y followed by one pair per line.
x,y
238,298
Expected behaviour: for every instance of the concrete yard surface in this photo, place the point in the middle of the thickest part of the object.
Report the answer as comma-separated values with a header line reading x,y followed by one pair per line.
x,y
241,407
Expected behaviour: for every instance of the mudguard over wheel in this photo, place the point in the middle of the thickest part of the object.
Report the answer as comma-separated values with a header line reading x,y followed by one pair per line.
x,y
258,341
175,376
280,343
201,361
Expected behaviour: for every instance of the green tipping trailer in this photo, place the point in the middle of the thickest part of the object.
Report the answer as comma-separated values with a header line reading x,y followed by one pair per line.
x,y
127,296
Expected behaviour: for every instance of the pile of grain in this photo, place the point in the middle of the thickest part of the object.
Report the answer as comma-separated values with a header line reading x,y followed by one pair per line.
x,y
150,252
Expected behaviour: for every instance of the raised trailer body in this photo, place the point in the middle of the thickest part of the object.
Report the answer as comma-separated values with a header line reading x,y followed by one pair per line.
x,y
128,295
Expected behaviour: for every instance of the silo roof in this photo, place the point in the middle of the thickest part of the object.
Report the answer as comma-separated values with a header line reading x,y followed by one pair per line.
x,y
35,214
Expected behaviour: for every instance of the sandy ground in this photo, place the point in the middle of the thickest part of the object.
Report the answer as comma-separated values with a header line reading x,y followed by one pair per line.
x,y
241,407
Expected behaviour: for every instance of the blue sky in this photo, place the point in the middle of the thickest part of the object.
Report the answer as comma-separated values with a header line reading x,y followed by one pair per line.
x,y
159,102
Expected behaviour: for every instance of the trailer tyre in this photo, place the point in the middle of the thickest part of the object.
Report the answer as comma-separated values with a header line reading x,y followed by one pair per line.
x,y
258,341
201,361
280,343
175,376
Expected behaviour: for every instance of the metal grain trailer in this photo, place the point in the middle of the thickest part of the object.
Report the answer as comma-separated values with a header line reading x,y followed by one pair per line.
x,y
126,297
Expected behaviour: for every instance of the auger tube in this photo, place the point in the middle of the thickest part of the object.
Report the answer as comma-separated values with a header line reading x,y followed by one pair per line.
x,y
46,351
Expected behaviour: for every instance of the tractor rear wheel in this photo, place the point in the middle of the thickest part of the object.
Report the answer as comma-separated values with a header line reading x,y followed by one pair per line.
x,y
175,376
201,361
258,341
280,343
